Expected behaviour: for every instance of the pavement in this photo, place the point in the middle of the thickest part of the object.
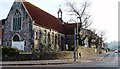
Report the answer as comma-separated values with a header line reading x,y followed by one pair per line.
x,y
51,62
43,62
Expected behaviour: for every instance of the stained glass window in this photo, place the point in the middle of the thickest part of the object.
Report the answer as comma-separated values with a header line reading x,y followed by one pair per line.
x,y
17,21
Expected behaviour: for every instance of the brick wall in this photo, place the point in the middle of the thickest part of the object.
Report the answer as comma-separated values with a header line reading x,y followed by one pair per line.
x,y
85,52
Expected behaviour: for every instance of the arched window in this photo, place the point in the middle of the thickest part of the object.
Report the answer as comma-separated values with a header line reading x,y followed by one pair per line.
x,y
16,38
44,36
17,21
53,38
49,37
36,35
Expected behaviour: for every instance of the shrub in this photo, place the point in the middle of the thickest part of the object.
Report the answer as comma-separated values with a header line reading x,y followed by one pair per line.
x,y
46,49
8,51
71,48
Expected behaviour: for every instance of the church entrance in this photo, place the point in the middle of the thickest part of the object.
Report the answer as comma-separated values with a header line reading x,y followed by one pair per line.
x,y
16,43
16,38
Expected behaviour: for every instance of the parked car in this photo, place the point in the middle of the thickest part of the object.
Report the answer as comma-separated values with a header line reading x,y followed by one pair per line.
x,y
117,51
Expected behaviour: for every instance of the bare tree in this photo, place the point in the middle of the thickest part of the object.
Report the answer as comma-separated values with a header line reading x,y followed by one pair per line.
x,y
102,35
80,13
103,38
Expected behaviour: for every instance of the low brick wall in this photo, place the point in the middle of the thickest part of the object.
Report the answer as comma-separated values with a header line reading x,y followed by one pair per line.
x,y
55,55
85,52
40,56
103,51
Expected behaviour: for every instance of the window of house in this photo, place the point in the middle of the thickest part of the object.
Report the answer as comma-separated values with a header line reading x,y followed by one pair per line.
x,y
25,44
45,36
36,36
56,39
49,41
17,21
40,34
59,39
53,39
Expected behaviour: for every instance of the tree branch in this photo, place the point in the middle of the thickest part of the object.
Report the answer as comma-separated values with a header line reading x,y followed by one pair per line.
x,y
87,17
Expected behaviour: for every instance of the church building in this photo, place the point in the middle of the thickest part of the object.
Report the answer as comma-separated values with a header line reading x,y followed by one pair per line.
x,y
28,27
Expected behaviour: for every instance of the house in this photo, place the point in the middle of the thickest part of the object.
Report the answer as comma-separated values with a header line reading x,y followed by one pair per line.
x,y
28,27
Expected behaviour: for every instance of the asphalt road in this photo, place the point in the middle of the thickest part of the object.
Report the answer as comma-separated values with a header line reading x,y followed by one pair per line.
x,y
108,61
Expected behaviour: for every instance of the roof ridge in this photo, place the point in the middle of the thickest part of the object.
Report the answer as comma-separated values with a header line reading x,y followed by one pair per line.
x,y
40,9
20,1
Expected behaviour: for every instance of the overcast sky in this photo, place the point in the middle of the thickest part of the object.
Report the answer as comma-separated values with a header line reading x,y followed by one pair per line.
x,y
104,13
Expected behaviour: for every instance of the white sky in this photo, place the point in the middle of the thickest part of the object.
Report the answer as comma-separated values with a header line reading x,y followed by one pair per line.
x,y
104,13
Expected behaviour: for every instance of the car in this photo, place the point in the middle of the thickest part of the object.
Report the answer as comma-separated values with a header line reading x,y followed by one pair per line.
x,y
117,51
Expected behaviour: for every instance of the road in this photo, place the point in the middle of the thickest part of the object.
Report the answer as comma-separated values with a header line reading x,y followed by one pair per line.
x,y
107,61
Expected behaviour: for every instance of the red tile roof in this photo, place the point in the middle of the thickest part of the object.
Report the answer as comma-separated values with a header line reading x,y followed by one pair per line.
x,y
43,18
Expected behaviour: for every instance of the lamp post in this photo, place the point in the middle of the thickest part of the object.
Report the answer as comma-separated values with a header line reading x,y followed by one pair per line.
x,y
77,32
77,37
79,27
76,42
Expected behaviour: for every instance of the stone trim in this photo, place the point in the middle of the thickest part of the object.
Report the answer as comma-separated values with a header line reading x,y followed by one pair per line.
x,y
16,34
27,11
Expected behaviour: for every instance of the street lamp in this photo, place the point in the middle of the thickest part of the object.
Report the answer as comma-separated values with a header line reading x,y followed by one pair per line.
x,y
75,44
76,41
77,33
79,27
